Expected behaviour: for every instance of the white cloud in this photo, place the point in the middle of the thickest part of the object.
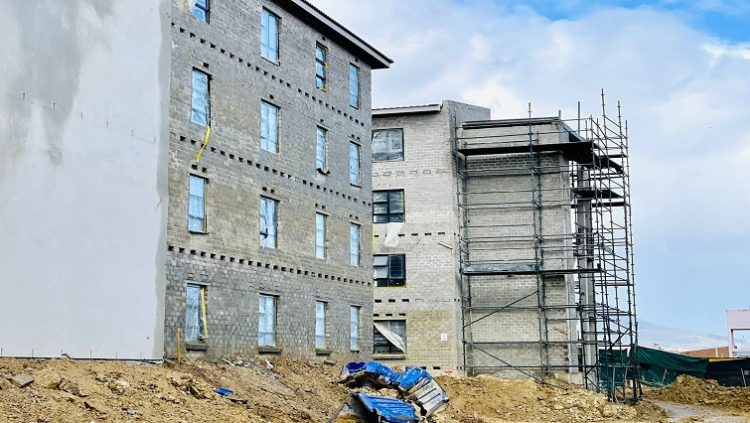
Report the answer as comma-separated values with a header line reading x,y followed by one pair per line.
x,y
685,94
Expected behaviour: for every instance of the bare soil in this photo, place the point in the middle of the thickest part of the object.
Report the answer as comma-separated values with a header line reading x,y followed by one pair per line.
x,y
282,390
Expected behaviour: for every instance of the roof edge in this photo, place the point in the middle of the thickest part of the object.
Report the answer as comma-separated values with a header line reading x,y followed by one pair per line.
x,y
374,58
407,110
495,123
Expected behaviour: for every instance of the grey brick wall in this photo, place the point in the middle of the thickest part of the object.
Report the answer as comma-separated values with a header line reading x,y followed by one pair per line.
x,y
228,259
431,300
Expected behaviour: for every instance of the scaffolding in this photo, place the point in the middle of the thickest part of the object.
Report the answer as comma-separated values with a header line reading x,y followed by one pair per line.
x,y
545,242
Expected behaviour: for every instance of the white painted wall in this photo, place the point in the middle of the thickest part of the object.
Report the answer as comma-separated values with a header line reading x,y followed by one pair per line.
x,y
83,185
738,320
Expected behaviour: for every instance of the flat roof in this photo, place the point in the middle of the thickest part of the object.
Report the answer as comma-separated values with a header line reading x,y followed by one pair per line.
x,y
337,32
407,110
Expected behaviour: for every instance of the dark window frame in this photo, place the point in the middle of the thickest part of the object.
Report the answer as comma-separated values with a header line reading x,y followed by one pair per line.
x,y
206,9
381,345
392,279
204,217
395,158
389,215
321,78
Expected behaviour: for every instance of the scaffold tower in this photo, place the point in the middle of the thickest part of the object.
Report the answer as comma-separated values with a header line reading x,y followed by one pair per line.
x,y
546,250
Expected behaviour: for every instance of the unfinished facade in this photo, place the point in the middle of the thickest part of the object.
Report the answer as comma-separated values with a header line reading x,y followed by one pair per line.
x,y
84,131
270,196
417,294
537,261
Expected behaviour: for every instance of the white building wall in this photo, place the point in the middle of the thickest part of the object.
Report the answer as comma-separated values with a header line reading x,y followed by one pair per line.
x,y
83,131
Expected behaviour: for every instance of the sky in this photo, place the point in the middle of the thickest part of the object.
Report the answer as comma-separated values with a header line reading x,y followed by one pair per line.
x,y
681,70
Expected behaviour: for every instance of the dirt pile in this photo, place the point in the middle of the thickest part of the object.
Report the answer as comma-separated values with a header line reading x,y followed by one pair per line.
x,y
489,400
282,390
694,391
82,391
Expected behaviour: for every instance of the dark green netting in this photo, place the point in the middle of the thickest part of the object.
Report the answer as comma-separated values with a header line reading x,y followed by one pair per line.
x,y
612,370
660,368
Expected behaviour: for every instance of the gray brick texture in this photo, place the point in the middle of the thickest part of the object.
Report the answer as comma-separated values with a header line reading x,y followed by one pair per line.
x,y
228,259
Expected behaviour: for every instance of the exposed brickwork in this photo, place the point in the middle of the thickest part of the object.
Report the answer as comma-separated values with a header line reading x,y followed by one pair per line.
x,y
431,300
228,259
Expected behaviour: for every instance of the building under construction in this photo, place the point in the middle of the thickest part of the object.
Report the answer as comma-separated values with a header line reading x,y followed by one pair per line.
x,y
542,247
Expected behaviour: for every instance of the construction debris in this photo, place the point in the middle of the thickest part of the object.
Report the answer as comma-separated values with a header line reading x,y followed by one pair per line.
x,y
375,408
415,386
22,380
294,391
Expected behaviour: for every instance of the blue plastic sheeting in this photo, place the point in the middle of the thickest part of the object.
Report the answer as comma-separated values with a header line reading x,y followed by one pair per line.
x,y
225,392
370,373
390,410
410,378
415,385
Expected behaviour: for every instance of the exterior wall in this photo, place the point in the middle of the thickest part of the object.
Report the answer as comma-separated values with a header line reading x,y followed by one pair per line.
x,y
83,178
430,299
430,303
718,352
228,260
501,236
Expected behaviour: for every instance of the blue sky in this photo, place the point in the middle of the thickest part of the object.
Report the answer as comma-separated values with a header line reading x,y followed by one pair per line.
x,y
682,72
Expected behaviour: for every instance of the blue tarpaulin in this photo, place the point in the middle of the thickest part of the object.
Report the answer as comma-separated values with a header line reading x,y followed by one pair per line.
x,y
390,410
415,385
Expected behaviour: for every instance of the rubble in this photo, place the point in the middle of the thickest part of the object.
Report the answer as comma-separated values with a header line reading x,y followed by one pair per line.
x,y
294,391
415,386
22,380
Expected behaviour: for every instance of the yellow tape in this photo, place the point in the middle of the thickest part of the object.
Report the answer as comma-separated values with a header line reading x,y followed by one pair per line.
x,y
203,313
205,143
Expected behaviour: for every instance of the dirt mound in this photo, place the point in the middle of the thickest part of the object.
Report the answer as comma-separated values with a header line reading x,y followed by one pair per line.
x,y
78,391
694,391
281,390
490,400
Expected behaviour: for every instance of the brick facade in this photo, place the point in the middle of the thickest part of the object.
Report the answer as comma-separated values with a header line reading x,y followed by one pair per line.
x,y
228,260
430,301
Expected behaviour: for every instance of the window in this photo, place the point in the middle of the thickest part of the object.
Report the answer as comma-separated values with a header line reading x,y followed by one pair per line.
x,y
387,145
266,321
354,328
196,329
320,324
268,215
354,164
353,86
269,127
200,10
197,204
389,337
320,235
321,149
388,206
269,36
354,247
321,67
201,106
389,270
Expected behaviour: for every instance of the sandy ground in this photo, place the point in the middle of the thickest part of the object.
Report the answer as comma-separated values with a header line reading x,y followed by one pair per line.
x,y
287,390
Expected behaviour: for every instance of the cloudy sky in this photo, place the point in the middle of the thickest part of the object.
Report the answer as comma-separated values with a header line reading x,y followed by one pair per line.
x,y
680,68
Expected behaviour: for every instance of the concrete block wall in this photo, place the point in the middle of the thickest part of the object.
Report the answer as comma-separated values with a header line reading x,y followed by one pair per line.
x,y
430,301
502,237
228,258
